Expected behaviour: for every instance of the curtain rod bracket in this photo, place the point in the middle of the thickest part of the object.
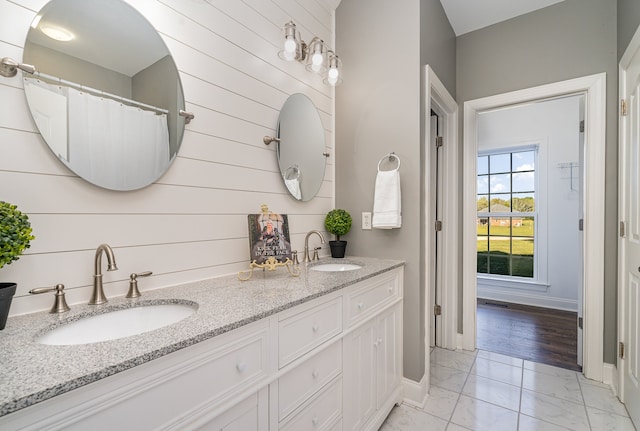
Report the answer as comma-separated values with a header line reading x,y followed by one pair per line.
x,y
269,139
9,67
188,116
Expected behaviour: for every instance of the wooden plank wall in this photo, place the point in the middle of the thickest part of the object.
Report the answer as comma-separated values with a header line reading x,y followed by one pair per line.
x,y
191,224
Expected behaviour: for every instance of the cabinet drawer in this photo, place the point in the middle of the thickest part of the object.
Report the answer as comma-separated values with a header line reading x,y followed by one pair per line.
x,y
250,414
300,333
372,296
241,362
321,413
303,381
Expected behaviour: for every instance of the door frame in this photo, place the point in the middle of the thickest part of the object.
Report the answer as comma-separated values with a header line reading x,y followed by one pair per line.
x,y
632,48
438,98
594,88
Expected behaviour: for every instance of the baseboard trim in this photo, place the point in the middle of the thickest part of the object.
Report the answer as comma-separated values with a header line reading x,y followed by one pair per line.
x,y
610,377
460,341
415,393
529,299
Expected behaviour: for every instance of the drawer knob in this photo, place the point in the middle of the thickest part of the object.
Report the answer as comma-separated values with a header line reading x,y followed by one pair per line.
x,y
360,305
314,374
315,327
241,366
315,421
391,289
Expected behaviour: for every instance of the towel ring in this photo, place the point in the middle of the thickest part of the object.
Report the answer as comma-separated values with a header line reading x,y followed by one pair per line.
x,y
390,156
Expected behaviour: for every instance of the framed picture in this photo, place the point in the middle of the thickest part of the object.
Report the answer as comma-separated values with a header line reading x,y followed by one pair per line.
x,y
269,237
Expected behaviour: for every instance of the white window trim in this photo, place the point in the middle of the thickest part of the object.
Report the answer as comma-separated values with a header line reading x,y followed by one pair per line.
x,y
510,281
541,243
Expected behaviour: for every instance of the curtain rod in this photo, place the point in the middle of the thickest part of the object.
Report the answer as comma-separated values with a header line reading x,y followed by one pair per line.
x,y
94,91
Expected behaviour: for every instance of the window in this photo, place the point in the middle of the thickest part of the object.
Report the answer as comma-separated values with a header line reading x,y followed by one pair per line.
x,y
506,221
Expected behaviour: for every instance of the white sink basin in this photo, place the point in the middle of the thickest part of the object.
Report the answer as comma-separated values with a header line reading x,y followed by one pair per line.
x,y
334,267
117,324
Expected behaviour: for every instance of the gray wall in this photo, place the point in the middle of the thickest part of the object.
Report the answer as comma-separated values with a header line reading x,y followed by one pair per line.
x,y
628,22
153,86
438,43
571,39
76,70
377,112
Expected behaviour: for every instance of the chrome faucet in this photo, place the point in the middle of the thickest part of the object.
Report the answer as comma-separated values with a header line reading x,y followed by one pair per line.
x,y
97,297
306,244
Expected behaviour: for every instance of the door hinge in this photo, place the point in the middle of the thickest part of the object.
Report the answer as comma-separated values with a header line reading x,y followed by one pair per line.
x,y
582,126
581,224
622,230
439,141
623,107
621,350
438,225
580,322
437,310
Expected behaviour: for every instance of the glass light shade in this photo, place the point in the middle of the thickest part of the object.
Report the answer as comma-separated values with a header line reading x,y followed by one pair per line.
x,y
317,56
290,45
334,74
291,48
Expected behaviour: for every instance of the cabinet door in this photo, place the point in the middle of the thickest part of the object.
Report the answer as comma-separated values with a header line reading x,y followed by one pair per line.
x,y
388,367
359,376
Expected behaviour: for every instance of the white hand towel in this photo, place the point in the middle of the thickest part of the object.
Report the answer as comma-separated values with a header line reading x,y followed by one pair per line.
x,y
294,188
387,200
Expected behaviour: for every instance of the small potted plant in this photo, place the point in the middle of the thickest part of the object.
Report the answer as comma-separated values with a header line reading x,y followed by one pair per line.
x,y
338,222
15,236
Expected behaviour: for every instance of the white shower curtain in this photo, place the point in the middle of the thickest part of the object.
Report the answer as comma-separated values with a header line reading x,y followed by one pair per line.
x,y
115,145
48,105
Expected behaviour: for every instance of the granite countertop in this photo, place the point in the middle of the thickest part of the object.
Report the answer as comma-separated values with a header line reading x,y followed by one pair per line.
x,y
31,372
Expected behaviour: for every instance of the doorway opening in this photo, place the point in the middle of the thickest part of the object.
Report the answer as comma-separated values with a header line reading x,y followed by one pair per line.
x,y
440,214
594,89
529,211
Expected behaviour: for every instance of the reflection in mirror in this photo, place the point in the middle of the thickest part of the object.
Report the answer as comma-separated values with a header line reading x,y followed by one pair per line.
x,y
106,96
301,148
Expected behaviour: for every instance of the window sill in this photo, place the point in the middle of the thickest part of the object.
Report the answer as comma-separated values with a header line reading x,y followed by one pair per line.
x,y
512,282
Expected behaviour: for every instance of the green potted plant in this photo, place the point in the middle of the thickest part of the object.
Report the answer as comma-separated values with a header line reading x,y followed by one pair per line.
x,y
15,236
338,222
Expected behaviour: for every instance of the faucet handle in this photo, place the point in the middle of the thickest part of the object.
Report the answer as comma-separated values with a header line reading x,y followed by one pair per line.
x,y
133,284
60,303
294,257
315,253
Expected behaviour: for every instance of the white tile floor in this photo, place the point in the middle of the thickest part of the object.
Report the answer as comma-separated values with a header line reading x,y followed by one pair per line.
x,y
487,391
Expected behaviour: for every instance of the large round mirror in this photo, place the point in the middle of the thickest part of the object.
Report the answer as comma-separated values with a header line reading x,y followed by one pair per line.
x,y
106,96
301,149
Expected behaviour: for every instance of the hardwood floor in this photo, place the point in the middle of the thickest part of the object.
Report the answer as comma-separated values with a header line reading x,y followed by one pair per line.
x,y
533,333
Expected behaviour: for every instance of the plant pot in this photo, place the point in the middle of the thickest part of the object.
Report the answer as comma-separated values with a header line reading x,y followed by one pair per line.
x,y
6,294
338,248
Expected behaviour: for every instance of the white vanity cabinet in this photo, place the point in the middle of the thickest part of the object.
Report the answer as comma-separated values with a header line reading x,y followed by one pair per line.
x,y
373,353
185,389
332,363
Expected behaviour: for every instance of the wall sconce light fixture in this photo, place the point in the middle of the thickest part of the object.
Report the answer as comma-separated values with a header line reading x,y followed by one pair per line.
x,y
316,55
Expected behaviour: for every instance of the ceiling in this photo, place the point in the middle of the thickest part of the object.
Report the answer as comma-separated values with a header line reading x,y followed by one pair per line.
x,y
470,15
110,34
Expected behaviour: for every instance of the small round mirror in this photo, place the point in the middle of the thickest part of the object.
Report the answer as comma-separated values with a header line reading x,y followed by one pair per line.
x,y
106,96
301,150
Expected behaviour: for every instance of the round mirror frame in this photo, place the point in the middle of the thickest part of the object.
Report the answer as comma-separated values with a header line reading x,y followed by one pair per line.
x,y
301,151
113,82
